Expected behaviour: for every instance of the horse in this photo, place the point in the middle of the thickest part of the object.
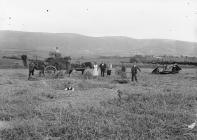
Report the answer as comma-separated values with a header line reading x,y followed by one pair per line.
x,y
87,65
36,65
80,67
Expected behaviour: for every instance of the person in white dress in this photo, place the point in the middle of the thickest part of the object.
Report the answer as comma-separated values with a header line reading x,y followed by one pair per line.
x,y
95,70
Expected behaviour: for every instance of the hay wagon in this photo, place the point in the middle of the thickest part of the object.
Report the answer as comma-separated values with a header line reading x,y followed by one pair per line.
x,y
55,65
58,64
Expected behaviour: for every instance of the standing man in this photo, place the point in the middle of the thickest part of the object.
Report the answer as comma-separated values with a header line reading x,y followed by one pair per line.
x,y
102,67
134,70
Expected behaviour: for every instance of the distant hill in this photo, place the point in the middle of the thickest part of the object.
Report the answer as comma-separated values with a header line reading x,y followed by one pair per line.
x,y
16,42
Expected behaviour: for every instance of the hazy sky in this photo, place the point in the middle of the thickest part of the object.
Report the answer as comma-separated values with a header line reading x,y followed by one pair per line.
x,y
169,19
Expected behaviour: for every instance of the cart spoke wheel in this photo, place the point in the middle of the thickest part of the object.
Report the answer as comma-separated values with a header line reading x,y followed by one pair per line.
x,y
50,71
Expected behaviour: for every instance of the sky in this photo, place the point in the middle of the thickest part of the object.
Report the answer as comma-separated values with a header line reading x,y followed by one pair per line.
x,y
166,19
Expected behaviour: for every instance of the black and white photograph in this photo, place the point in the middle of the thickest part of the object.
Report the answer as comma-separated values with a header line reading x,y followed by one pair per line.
x,y
98,69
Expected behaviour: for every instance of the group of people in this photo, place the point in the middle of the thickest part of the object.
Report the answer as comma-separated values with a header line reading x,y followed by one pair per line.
x,y
103,68
108,68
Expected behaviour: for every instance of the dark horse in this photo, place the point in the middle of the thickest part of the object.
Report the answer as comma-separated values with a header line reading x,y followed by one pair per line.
x,y
33,65
24,59
36,65
80,67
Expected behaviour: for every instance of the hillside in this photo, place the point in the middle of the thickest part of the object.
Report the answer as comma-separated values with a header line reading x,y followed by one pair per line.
x,y
77,45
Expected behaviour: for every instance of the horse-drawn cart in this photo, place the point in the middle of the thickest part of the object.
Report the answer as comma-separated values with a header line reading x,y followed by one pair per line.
x,y
50,67
54,65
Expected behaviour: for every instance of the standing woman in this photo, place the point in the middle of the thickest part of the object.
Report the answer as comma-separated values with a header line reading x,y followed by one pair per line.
x,y
95,70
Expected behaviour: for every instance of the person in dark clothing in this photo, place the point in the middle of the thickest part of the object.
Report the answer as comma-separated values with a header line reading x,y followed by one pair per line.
x,y
123,68
134,70
31,69
103,68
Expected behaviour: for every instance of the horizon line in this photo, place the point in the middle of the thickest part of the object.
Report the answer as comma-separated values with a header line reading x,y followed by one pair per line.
x,y
100,36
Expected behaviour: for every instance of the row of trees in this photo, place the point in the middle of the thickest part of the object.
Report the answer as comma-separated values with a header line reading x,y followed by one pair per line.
x,y
164,59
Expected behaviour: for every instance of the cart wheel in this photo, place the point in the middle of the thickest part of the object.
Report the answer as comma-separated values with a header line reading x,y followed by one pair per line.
x,y
50,71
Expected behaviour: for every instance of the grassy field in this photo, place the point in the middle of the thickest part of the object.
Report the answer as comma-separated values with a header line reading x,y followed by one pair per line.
x,y
158,107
